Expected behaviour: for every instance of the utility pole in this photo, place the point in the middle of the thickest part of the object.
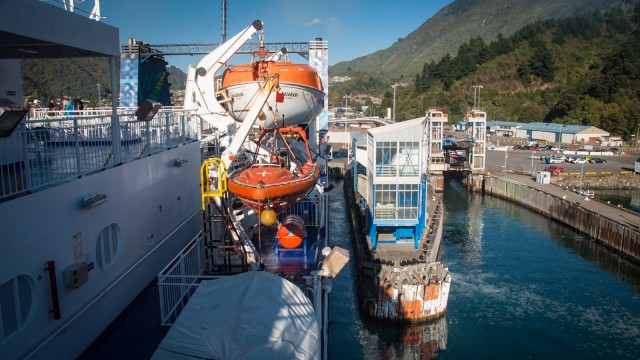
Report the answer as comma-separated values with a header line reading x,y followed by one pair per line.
x,y
394,86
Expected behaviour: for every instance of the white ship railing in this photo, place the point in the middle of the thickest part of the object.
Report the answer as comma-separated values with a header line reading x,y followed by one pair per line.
x,y
44,113
180,279
45,152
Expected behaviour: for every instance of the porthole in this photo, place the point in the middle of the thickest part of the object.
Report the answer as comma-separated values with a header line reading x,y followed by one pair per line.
x,y
108,246
16,304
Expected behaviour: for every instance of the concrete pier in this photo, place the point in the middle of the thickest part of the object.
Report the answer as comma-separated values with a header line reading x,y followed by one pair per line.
x,y
396,282
615,227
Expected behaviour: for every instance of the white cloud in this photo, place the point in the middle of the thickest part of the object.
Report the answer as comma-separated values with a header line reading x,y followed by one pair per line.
x,y
315,21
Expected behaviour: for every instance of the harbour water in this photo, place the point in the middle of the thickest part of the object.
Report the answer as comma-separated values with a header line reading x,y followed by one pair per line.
x,y
524,286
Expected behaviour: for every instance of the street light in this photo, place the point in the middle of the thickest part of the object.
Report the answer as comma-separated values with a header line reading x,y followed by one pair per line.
x,y
581,171
531,168
394,86
506,155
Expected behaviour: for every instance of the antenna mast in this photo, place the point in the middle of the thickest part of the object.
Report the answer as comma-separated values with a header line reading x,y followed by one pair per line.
x,y
224,20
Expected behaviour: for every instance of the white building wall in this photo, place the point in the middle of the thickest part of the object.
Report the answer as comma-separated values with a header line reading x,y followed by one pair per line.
x,y
543,135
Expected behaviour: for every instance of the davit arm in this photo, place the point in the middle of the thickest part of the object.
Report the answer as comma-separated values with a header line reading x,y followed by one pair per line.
x,y
201,82
271,85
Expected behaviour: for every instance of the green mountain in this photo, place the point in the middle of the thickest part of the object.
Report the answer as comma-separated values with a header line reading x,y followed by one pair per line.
x,y
459,22
53,78
579,70
177,78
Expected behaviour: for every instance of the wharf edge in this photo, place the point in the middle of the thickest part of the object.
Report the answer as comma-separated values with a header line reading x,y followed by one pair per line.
x,y
619,229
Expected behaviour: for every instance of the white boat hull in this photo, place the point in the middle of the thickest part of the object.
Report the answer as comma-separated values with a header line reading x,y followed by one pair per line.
x,y
301,104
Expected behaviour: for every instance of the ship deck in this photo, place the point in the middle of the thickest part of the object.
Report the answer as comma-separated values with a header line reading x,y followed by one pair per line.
x,y
289,262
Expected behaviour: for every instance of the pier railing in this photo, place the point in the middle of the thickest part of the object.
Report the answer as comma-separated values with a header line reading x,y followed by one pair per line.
x,y
44,152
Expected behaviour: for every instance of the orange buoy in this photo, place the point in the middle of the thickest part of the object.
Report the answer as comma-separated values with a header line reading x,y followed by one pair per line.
x,y
268,217
291,232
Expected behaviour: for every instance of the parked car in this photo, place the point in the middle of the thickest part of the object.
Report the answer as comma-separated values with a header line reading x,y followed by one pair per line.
x,y
597,160
543,148
524,147
533,148
579,160
554,169
517,147
556,160
457,160
554,148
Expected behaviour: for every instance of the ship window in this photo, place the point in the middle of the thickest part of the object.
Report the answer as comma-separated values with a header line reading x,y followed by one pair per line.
x,y
16,303
108,246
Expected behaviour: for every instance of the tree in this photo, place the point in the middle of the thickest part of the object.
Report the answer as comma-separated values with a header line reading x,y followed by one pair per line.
x,y
558,37
542,62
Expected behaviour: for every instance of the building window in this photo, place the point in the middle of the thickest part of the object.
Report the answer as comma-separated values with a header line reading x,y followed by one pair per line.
x,y
408,161
385,201
16,303
108,246
386,153
408,201
396,201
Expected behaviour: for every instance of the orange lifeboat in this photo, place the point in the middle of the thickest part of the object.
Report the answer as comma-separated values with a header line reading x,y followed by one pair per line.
x,y
281,181
299,101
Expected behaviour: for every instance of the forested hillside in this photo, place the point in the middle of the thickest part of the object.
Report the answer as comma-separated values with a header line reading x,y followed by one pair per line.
x,y
580,70
459,22
53,78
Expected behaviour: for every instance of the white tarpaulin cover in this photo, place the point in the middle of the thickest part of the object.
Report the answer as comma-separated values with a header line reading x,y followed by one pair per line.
x,y
254,315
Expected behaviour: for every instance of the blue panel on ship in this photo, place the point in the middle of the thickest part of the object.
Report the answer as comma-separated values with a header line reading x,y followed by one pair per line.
x,y
141,80
128,81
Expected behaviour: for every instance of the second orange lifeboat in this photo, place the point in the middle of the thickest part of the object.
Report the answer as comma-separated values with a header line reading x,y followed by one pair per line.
x,y
280,181
300,99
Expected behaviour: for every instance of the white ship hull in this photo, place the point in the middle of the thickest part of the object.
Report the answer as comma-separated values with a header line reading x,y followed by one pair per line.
x,y
156,208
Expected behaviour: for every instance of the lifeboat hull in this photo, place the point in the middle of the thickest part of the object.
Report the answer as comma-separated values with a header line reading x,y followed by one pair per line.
x,y
300,99
263,185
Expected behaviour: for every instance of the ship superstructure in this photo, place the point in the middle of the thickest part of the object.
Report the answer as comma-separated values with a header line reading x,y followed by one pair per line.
x,y
92,203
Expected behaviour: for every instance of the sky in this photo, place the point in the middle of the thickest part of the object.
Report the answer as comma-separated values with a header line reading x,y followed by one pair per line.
x,y
353,28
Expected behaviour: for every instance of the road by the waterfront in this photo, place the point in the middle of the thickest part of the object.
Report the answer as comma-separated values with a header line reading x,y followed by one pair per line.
x,y
520,161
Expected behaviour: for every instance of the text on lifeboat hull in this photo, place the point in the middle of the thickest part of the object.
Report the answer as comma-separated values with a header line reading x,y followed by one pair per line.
x,y
300,99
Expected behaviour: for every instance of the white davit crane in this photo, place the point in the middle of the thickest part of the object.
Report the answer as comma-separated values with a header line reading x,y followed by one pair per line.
x,y
202,91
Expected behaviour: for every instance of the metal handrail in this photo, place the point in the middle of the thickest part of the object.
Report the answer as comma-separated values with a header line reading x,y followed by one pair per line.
x,y
44,152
